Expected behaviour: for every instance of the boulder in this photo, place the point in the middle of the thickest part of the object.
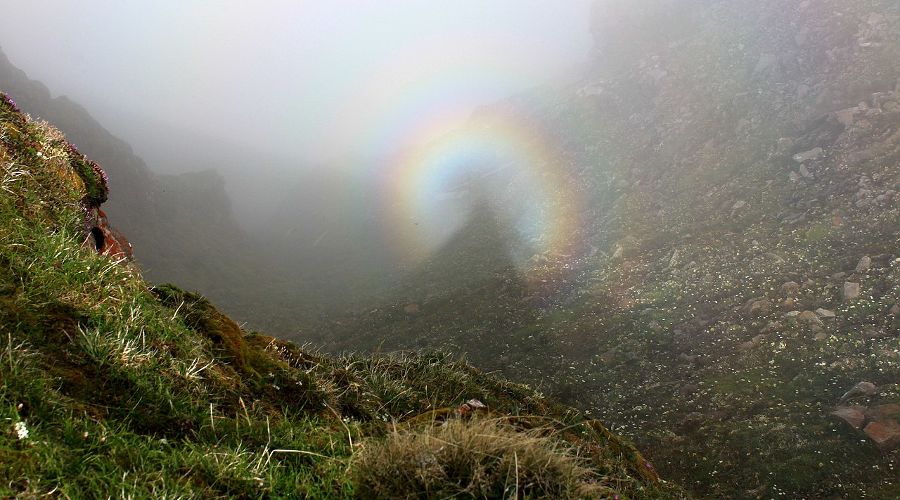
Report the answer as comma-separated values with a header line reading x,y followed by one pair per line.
x,y
853,415
880,423
864,264
883,412
810,318
847,116
760,307
825,313
885,434
790,288
851,290
812,154
861,389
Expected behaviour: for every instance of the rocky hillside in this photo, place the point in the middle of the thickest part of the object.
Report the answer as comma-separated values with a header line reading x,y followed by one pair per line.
x,y
736,308
112,387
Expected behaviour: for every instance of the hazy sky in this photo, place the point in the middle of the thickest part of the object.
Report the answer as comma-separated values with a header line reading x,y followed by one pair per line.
x,y
309,79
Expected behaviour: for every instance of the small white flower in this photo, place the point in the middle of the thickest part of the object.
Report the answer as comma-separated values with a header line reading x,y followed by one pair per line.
x,y
21,430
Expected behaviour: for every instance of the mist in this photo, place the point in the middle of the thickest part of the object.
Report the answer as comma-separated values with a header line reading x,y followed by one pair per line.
x,y
356,139
297,84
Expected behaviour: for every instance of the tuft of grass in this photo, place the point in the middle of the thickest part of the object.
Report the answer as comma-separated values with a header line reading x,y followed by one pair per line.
x,y
481,458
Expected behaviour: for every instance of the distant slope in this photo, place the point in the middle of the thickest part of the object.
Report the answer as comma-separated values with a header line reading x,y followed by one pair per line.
x,y
181,226
742,166
112,387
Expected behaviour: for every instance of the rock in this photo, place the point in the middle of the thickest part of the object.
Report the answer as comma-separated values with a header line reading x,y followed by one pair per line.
x,y
837,220
820,336
838,276
810,318
885,434
471,406
805,172
825,313
792,314
760,307
812,154
883,412
790,288
738,205
875,333
688,389
895,310
851,290
772,326
750,344
864,264
674,260
853,415
689,358
858,390
411,309
846,116
693,421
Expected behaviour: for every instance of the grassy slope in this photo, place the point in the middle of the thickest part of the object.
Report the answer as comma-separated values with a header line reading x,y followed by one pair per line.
x,y
687,155
109,387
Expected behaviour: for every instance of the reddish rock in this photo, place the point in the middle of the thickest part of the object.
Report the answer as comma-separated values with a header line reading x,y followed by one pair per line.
x,y
853,415
884,412
837,220
885,433
106,239
411,309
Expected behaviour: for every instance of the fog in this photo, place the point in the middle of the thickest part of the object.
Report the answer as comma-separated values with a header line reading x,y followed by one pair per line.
x,y
309,81
343,129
